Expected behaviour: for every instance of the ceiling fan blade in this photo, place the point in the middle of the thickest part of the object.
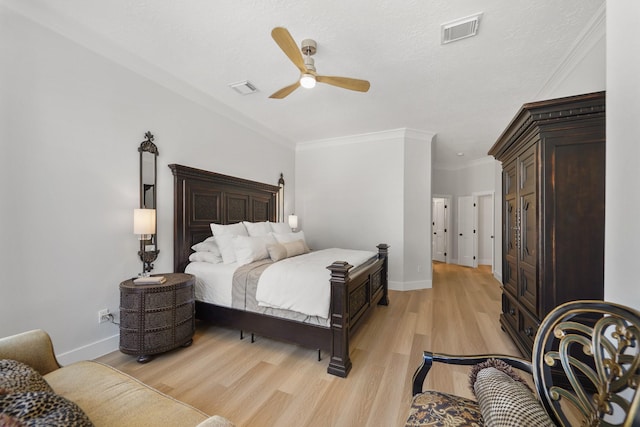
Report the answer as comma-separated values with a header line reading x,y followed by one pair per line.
x,y
345,83
285,91
289,47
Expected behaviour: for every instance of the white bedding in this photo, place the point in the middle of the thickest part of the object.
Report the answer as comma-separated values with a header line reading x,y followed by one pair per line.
x,y
301,283
213,281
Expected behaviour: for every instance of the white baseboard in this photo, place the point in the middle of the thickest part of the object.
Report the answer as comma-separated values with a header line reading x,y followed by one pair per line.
x,y
410,286
90,351
497,276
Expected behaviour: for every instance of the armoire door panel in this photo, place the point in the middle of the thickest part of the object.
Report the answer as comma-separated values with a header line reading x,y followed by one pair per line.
x,y
527,171
510,275
510,229
509,180
528,230
528,287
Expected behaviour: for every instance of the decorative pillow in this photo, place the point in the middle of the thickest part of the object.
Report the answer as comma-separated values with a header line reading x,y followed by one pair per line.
x,y
16,377
210,257
279,251
297,247
506,402
237,229
499,365
250,249
280,227
257,229
42,408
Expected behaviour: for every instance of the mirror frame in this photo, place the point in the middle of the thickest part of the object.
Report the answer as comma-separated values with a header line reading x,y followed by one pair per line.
x,y
280,204
147,146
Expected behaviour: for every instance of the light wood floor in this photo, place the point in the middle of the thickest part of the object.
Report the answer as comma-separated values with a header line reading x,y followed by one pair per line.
x,y
270,383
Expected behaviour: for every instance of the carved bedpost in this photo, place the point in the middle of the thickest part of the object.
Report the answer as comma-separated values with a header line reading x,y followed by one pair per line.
x,y
340,363
383,253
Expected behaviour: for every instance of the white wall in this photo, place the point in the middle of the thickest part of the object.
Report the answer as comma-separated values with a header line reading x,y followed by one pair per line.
x,y
352,192
72,121
417,212
622,228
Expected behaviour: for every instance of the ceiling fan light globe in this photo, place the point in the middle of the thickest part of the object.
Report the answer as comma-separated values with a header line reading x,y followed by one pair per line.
x,y
307,81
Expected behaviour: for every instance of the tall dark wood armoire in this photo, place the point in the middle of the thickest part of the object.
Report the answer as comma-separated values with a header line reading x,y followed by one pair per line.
x,y
553,185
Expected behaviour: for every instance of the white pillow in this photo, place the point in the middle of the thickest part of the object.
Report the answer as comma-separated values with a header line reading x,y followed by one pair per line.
x,y
250,249
237,229
256,229
209,257
280,227
207,245
227,251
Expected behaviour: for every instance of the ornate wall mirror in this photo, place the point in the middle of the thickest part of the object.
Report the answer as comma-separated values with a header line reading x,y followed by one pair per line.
x,y
148,156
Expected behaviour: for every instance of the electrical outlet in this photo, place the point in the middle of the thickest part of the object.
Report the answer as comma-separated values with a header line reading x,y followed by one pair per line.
x,y
104,316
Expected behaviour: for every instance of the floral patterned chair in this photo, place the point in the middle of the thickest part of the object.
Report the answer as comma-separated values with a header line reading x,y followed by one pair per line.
x,y
585,367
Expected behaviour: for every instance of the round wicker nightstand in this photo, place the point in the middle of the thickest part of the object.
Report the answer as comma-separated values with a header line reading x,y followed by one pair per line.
x,y
157,318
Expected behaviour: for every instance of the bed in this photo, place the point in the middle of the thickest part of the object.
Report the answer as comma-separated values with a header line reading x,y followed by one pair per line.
x,y
203,197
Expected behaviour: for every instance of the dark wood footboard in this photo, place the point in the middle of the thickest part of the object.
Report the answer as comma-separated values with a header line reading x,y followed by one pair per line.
x,y
353,295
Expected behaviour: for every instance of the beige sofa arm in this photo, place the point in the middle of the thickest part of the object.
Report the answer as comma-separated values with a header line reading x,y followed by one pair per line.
x,y
33,348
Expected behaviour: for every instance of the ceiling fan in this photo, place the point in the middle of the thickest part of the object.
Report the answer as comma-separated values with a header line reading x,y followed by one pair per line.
x,y
308,76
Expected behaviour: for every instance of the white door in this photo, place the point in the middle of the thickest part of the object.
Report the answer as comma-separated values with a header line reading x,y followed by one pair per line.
x,y
466,231
485,229
439,229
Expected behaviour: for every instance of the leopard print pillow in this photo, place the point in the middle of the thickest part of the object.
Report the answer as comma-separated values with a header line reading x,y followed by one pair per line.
x,y
42,408
16,377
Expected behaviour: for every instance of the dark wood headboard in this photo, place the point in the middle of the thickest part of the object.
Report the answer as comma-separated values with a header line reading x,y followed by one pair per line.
x,y
202,197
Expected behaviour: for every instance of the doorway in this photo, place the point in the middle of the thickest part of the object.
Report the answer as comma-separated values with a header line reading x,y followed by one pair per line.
x,y
475,233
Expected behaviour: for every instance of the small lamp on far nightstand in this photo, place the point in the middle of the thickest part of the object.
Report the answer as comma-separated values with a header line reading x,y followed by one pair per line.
x,y
293,222
144,224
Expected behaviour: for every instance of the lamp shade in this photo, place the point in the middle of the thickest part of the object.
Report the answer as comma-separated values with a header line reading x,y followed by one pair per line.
x,y
293,221
144,221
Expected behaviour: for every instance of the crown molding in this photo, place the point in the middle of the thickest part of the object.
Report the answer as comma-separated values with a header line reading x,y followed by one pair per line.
x,y
400,134
471,163
593,33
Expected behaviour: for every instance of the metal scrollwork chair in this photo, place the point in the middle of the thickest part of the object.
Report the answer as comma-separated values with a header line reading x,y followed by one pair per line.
x,y
585,366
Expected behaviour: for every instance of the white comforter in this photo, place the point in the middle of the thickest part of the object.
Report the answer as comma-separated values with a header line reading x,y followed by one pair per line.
x,y
301,283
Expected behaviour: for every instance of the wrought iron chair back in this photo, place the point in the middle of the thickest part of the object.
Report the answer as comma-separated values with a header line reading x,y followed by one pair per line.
x,y
595,347
586,365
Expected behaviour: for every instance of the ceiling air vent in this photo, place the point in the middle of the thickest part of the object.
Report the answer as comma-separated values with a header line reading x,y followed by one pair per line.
x,y
244,88
460,28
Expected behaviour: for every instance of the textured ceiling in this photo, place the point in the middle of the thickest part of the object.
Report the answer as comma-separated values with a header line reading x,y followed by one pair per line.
x,y
466,91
